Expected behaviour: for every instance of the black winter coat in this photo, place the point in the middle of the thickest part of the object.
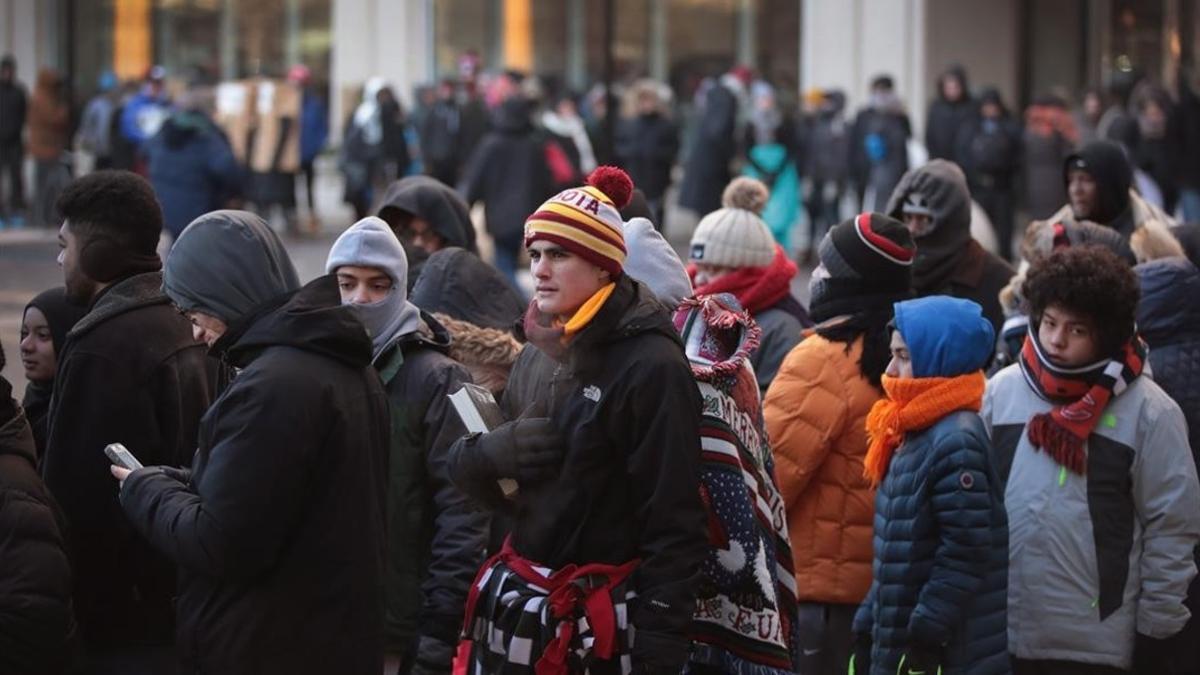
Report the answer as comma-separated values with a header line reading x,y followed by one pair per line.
x,y
436,536
36,623
628,406
508,172
13,105
945,124
278,528
1168,318
941,553
713,147
130,372
646,148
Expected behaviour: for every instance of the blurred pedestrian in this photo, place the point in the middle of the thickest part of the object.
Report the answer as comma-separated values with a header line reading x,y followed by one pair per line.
x,y
989,152
879,145
49,135
44,326
816,414
190,163
949,113
364,152
96,127
934,203
1157,153
440,132
1185,136
130,372
1097,582
37,627
937,603
146,110
1087,117
1049,138
13,105
771,157
733,251
564,122
508,172
435,536
277,528
314,131
715,142
647,145
826,165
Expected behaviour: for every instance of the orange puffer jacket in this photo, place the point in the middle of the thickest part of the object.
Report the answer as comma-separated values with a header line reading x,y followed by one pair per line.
x,y
816,412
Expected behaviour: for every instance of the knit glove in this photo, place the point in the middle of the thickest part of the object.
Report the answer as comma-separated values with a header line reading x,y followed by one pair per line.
x,y
860,658
921,660
528,450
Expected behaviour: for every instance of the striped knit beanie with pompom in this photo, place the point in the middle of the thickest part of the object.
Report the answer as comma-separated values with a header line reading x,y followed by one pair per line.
x,y
587,220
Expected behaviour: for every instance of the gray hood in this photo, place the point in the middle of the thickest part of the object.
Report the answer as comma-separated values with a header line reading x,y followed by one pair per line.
x,y
228,263
944,187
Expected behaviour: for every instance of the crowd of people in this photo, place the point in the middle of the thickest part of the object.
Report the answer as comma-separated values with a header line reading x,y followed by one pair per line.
x,y
942,464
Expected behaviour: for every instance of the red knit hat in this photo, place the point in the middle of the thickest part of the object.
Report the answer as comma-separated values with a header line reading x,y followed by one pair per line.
x,y
587,220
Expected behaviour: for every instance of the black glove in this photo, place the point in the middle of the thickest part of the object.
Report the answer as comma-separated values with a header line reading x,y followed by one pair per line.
x,y
921,660
1152,655
526,450
434,657
176,473
860,658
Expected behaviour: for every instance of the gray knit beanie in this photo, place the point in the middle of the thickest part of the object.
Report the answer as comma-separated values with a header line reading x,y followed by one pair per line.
x,y
735,236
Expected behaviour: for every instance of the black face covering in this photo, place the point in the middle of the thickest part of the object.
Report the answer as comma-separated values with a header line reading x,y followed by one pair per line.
x,y
1106,163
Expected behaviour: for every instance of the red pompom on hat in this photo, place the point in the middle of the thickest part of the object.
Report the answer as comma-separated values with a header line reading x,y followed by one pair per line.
x,y
614,182
587,220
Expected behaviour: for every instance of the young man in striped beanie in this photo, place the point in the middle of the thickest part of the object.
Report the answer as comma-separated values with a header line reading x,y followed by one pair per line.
x,y
607,526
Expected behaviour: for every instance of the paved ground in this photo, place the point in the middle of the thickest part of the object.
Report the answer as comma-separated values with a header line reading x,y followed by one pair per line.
x,y
28,266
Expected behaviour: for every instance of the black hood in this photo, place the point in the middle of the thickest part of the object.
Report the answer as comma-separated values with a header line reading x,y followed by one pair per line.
x,y
16,436
182,127
456,282
312,319
434,202
1107,164
514,116
960,74
1169,310
944,187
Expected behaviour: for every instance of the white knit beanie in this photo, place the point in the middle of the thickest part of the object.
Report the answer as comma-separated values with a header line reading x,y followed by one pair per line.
x,y
735,236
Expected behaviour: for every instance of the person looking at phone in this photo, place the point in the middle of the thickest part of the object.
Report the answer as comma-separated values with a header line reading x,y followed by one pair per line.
x,y
129,372
436,537
606,457
278,528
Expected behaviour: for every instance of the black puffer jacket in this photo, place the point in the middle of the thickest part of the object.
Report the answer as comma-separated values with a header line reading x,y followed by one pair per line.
x,y
132,373
629,409
278,529
1168,317
36,623
508,172
646,147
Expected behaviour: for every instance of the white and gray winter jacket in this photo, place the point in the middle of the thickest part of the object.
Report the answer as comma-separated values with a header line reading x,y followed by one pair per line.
x,y
1095,559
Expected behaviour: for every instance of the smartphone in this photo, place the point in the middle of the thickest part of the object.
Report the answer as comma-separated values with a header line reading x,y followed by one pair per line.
x,y
119,455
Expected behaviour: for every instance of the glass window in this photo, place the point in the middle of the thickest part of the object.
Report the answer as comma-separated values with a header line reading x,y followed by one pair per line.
x,y
701,40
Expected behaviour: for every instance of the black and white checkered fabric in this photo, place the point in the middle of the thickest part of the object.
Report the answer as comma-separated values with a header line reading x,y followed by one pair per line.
x,y
513,624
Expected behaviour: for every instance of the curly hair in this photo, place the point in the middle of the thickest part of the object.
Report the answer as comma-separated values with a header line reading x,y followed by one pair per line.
x,y
1092,281
117,204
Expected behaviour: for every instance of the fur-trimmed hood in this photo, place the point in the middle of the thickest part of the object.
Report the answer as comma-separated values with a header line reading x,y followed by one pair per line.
x,y
488,353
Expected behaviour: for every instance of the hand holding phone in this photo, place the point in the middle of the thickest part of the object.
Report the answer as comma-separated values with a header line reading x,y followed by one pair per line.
x,y
119,455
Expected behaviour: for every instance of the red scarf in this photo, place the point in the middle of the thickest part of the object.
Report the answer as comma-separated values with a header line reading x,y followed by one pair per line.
x,y
756,288
1063,432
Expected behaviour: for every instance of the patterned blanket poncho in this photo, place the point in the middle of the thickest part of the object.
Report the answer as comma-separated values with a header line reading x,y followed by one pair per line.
x,y
745,619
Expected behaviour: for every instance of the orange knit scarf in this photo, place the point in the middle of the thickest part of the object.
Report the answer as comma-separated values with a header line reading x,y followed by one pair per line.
x,y
913,404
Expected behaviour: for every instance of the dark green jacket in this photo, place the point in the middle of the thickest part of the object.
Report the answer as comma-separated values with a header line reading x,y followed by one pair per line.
x,y
436,537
